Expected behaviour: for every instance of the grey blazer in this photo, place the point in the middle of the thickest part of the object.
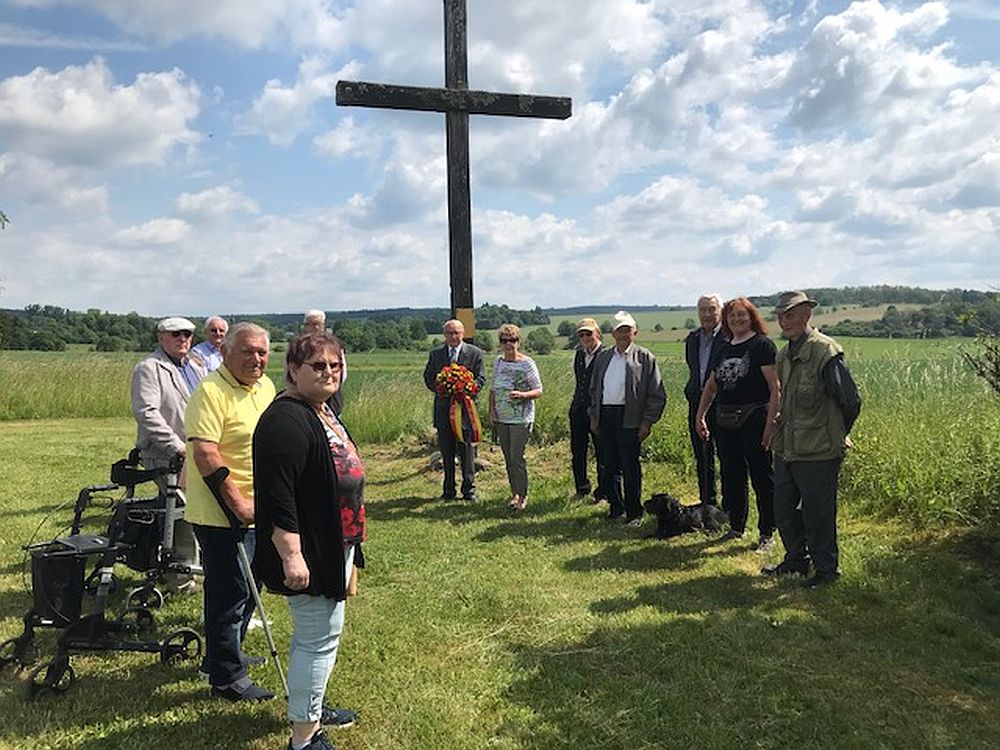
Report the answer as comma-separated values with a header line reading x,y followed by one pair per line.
x,y
644,394
159,397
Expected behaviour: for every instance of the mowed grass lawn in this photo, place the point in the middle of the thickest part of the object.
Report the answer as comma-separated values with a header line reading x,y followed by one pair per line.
x,y
476,628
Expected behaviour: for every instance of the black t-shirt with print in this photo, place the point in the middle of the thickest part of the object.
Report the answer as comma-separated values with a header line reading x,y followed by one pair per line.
x,y
737,371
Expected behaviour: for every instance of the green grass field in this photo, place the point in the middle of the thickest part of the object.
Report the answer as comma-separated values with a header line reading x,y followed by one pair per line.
x,y
475,628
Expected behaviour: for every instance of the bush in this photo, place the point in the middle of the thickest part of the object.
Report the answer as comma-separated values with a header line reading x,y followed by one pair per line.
x,y
540,341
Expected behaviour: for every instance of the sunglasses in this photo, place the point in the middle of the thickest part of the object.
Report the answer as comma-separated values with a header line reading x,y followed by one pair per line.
x,y
585,333
508,341
181,334
320,367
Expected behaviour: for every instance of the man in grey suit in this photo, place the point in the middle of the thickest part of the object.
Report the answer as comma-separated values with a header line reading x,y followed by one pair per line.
x,y
626,399
455,349
160,393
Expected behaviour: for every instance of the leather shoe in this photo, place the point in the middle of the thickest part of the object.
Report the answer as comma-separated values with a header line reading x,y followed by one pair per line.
x,y
472,497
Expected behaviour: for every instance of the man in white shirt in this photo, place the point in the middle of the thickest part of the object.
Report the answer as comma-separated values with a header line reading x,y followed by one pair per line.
x,y
626,399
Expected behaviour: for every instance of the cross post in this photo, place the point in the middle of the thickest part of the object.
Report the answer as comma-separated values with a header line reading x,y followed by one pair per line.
x,y
457,102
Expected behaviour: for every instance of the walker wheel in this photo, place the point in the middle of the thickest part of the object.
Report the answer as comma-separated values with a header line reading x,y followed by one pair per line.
x,y
136,620
181,645
21,650
146,598
58,676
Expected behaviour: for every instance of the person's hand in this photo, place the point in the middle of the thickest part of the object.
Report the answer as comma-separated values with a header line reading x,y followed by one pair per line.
x,y
296,572
848,443
701,427
594,428
644,430
765,439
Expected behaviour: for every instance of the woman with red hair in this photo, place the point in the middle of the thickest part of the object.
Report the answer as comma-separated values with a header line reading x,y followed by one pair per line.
x,y
744,386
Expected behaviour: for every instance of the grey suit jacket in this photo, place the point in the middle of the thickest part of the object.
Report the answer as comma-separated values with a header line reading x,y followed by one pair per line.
x,y
644,394
159,397
468,356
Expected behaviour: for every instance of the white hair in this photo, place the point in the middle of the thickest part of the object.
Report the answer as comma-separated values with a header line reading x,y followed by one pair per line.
x,y
314,314
247,328
712,296
210,318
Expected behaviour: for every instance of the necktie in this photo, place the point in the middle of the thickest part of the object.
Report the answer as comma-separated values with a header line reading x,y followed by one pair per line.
x,y
454,354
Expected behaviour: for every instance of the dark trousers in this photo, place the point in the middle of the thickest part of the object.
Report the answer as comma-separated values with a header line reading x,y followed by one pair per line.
x,y
580,439
704,454
809,530
619,448
466,452
228,602
740,452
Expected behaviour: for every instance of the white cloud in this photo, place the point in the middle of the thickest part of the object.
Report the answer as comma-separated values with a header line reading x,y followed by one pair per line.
x,y
282,112
154,232
348,139
12,35
215,203
261,23
42,183
79,116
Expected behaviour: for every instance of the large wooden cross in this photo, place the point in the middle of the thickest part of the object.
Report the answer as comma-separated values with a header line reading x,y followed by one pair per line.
x,y
457,102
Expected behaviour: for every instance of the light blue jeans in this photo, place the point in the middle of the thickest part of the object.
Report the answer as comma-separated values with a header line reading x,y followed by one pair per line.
x,y
318,622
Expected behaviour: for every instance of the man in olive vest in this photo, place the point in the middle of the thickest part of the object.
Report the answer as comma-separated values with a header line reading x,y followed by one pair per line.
x,y
819,404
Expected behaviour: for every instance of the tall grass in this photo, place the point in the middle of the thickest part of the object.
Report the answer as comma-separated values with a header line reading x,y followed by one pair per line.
x,y
927,442
40,385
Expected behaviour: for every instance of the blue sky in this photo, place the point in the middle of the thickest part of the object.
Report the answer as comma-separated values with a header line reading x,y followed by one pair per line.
x,y
182,156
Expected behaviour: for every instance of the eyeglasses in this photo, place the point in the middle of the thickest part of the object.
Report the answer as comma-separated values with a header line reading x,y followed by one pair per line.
x,y
320,367
181,334
584,333
508,340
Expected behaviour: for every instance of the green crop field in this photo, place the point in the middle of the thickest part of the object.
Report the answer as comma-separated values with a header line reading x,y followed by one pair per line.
x,y
477,628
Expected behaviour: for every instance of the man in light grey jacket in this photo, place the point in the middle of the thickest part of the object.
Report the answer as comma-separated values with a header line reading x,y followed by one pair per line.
x,y
160,394
626,399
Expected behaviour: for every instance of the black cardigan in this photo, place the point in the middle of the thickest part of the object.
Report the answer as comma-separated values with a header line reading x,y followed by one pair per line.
x,y
295,489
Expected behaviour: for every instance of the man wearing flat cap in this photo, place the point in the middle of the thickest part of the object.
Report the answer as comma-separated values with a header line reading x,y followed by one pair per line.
x,y
819,404
160,392
580,436
626,399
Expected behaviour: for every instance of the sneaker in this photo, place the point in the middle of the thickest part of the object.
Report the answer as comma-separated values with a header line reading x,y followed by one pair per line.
x,y
634,522
785,568
247,691
338,718
766,544
317,742
820,579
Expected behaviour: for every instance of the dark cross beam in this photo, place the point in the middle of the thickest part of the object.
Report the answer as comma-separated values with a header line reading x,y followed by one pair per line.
x,y
457,102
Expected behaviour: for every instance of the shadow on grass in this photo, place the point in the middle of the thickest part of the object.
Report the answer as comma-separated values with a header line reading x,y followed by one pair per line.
x,y
141,704
899,654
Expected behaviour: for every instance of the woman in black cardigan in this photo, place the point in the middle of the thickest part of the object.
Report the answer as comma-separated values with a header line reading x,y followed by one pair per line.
x,y
310,517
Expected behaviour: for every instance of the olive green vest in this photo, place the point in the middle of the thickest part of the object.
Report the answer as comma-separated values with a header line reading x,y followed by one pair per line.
x,y
811,424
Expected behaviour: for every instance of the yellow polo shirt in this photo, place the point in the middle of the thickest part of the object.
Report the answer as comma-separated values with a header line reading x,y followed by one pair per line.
x,y
223,411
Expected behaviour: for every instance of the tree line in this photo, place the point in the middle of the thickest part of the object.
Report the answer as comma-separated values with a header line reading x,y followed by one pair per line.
x,y
51,328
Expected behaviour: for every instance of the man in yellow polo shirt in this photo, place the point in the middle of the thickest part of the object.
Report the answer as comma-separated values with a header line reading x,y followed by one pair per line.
x,y
220,419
